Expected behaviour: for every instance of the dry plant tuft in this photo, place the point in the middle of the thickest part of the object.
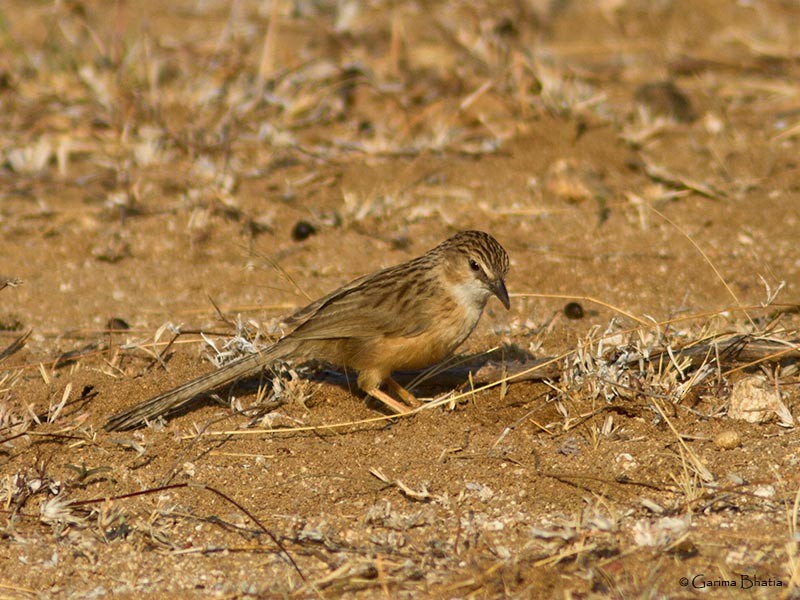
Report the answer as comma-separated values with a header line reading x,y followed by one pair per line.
x,y
14,418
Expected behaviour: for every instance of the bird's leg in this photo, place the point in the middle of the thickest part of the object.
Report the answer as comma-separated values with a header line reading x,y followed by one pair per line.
x,y
370,380
402,393
389,402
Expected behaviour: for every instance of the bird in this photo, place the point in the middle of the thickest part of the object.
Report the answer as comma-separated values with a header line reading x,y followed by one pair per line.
x,y
404,317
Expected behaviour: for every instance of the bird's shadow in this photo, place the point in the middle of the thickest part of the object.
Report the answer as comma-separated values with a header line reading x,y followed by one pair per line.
x,y
451,374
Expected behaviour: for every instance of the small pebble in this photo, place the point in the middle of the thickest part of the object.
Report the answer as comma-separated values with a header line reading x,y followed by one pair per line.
x,y
303,230
573,310
754,400
117,324
666,99
727,440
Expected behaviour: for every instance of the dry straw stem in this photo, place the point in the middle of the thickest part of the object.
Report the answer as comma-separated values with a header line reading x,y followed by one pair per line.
x,y
15,346
9,282
459,367
698,465
285,274
646,323
662,175
199,486
705,257
421,496
380,419
542,211
793,545
791,351
235,308
792,131
17,590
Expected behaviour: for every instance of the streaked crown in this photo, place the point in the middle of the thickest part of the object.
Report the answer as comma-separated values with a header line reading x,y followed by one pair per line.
x,y
481,245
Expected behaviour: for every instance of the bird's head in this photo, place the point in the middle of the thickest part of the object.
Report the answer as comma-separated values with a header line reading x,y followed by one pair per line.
x,y
479,265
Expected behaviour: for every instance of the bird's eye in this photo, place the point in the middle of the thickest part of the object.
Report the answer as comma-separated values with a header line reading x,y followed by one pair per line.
x,y
473,264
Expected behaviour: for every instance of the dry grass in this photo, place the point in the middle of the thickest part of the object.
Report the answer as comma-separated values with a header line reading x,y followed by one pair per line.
x,y
151,156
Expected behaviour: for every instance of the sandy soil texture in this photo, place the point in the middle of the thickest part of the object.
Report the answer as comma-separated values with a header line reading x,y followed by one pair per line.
x,y
177,176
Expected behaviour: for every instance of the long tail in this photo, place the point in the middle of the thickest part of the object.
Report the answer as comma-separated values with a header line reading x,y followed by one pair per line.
x,y
185,394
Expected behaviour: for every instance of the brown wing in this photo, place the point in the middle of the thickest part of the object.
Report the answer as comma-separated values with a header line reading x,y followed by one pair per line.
x,y
366,307
304,314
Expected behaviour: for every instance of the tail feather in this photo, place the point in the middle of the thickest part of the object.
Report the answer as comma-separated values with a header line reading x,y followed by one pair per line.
x,y
183,395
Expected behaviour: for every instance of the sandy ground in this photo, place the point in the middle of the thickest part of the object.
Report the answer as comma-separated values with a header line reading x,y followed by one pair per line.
x,y
162,165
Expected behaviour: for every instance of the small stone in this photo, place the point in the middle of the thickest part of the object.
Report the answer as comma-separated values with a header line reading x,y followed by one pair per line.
x,y
754,400
302,231
727,440
764,491
117,324
573,310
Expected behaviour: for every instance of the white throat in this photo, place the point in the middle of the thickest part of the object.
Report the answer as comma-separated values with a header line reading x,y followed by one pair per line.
x,y
472,297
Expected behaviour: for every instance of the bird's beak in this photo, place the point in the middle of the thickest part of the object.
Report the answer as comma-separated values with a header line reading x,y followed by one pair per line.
x,y
501,292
